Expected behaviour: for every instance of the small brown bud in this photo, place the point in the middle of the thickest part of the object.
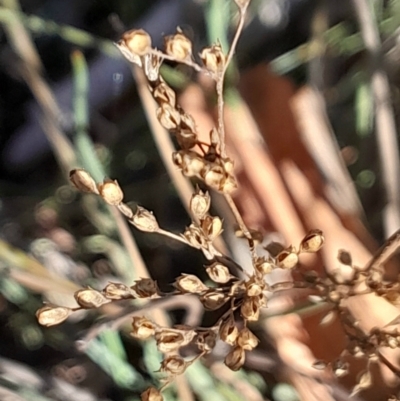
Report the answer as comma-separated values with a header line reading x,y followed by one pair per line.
x,y
234,360
212,227
178,46
213,300
200,203
247,340
263,265
254,287
51,315
250,309
89,298
312,242
168,116
206,341
174,365
287,259
151,394
142,328
111,192
213,58
144,220
164,94
137,41
117,291
228,331
145,288
218,273
190,283
83,181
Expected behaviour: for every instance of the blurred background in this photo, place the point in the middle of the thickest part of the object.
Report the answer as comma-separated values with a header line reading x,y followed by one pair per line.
x,y
312,110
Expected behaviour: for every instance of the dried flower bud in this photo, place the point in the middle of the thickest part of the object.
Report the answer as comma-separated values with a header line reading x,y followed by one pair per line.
x,y
83,181
247,340
178,46
234,360
162,93
218,273
312,242
263,265
51,315
213,58
168,116
206,341
287,259
254,287
151,394
213,300
89,298
200,203
117,291
214,176
145,288
190,283
194,236
250,309
228,331
111,192
174,365
137,41
212,227
142,328
144,220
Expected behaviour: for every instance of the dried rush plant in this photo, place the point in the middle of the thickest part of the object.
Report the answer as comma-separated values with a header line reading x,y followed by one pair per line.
x,y
245,294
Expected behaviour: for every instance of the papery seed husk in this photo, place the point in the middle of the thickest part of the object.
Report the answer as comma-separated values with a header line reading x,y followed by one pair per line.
x,y
163,93
151,394
312,242
168,116
213,300
190,283
254,287
169,341
111,192
194,236
178,46
228,331
137,41
214,176
185,138
213,58
250,309
89,298
218,273
83,181
193,165
234,360
145,288
247,340
263,265
117,291
144,220
206,341
142,328
52,315
175,365
287,259
200,203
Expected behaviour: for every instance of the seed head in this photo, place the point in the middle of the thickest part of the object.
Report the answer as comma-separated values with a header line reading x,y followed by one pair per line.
x,y
144,220
89,298
170,340
164,94
212,227
312,242
117,291
247,340
213,300
218,273
190,283
287,259
137,41
173,365
111,192
206,341
145,288
213,58
214,176
194,236
168,116
250,309
51,315
254,287
200,203
228,331
142,328
83,181
151,394
234,360
263,265
178,46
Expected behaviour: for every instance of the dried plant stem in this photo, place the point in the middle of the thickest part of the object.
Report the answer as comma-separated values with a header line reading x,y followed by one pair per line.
x,y
189,62
385,122
172,235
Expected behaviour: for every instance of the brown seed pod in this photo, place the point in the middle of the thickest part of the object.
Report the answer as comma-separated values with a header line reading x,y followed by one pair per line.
x,y
142,328
287,259
247,340
168,116
213,300
190,283
212,227
254,286
213,58
200,203
234,360
145,288
213,176
206,341
228,184
111,192
228,331
174,365
263,265
170,340
162,93
117,291
83,181
89,298
137,41
195,237
312,242
49,315
151,394
144,220
250,308
218,273
178,46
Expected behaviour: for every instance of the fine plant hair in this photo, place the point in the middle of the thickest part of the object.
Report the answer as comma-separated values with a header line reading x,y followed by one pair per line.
x,y
242,295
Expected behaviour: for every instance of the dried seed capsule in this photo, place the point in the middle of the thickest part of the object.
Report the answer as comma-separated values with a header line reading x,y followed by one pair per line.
x,y
206,341
186,138
234,360
83,181
145,288
174,365
168,116
212,227
229,184
111,192
250,309
142,328
247,340
162,93
213,58
137,41
213,176
89,298
287,259
151,394
144,220
219,273
263,265
213,300
51,315
190,283
193,164
312,242
195,237
200,203
254,287
178,46
117,291
169,341
228,331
